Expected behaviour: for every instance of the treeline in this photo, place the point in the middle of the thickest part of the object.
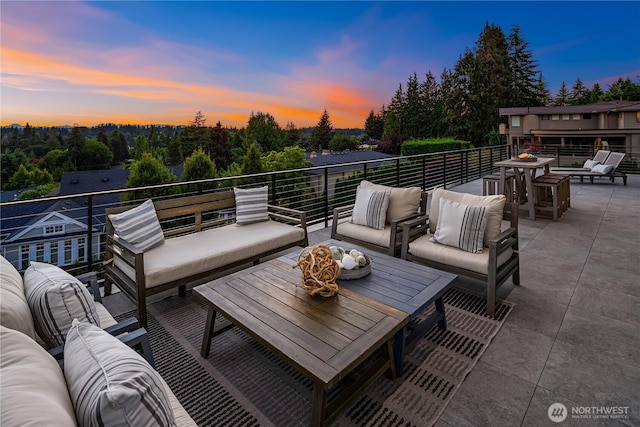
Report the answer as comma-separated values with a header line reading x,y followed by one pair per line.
x,y
463,103
33,159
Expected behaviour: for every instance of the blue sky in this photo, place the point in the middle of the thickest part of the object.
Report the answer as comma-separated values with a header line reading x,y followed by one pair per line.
x,y
161,62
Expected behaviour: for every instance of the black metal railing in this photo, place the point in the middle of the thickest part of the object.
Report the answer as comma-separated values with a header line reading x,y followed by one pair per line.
x,y
69,230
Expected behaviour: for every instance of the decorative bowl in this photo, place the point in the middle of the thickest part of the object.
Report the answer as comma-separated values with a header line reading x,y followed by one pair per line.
x,y
356,273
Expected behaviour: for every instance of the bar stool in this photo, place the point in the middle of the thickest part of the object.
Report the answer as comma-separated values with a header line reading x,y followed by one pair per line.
x,y
552,195
490,185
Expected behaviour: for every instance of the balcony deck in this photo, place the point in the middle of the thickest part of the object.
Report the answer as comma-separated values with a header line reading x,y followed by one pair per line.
x,y
573,335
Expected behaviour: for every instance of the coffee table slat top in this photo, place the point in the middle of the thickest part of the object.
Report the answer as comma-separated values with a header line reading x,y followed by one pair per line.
x,y
324,339
401,284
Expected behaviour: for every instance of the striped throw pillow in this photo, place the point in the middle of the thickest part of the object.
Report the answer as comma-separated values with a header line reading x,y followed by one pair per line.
x,y
461,226
110,384
370,208
139,226
56,298
251,205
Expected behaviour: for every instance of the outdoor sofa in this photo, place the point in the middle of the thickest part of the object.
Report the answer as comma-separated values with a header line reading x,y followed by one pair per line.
x,y
66,385
160,245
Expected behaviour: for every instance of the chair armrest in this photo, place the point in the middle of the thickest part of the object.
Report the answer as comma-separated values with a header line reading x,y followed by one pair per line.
x,y
123,245
411,230
288,215
395,236
91,279
338,214
505,240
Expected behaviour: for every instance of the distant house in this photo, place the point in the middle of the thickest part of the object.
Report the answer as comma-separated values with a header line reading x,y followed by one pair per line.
x,y
343,158
577,126
56,232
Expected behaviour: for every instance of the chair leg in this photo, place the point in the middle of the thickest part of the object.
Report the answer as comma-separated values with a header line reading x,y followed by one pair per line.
x,y
491,297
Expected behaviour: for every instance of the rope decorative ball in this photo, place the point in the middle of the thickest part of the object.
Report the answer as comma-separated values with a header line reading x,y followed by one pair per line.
x,y
319,271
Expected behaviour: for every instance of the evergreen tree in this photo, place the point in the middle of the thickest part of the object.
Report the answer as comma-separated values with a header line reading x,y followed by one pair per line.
x,y
174,150
393,115
523,91
595,94
578,94
251,164
219,147
543,94
374,126
118,145
292,135
322,132
489,83
412,111
75,144
562,98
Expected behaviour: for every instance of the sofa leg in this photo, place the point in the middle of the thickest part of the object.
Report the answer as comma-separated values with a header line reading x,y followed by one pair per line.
x,y
142,312
491,298
182,290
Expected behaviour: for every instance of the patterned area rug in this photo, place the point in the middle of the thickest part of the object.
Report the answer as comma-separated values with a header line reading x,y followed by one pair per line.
x,y
244,384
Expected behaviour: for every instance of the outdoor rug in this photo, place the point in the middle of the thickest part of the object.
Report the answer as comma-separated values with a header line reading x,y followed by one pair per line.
x,y
244,384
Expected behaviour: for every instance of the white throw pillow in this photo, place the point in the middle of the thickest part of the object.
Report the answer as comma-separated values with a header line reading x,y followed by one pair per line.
x,y
110,384
251,205
34,392
589,164
495,204
14,310
602,169
461,226
370,208
56,298
139,226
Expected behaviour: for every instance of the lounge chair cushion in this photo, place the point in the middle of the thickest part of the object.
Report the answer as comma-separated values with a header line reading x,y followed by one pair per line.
x,y
56,298
139,226
196,253
402,201
251,205
14,309
34,391
461,226
603,169
495,205
425,248
110,384
589,164
370,208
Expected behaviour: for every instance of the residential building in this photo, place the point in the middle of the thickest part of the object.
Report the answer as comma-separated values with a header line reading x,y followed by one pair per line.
x,y
576,126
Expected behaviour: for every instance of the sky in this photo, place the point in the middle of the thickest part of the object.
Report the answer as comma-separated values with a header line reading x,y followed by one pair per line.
x,y
161,62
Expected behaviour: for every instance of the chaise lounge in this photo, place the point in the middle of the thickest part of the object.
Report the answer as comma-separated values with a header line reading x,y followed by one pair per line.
x,y
608,168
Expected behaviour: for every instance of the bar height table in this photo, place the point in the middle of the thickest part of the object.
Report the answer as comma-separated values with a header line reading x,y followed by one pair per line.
x,y
529,171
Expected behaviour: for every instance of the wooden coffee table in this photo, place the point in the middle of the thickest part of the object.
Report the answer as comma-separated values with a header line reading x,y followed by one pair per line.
x,y
325,339
410,287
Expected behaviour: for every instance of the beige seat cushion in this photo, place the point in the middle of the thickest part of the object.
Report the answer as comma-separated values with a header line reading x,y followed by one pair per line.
x,y
180,415
494,203
14,309
362,232
34,391
423,247
402,201
203,251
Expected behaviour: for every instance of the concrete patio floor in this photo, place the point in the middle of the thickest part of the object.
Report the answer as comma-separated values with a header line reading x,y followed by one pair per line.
x,y
573,336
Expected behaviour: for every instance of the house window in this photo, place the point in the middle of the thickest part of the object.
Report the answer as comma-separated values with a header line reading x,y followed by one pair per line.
x,y
40,252
68,246
586,116
555,117
544,117
566,117
576,117
24,256
515,121
53,256
81,249
54,229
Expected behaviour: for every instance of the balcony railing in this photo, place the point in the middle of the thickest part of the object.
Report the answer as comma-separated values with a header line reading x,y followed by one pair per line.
x,y
69,230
